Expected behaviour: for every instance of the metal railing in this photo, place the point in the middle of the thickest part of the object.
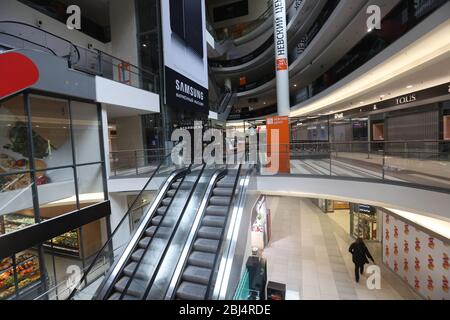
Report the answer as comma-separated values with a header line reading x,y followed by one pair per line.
x,y
93,61
134,162
421,163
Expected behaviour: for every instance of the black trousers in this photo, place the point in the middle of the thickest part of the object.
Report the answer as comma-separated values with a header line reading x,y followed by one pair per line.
x,y
359,270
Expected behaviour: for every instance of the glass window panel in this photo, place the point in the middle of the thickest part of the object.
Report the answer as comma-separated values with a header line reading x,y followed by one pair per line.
x,y
51,132
90,184
16,203
28,272
14,148
86,131
56,191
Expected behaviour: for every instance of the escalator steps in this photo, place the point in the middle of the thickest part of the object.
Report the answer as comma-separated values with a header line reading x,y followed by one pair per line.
x,y
116,296
219,201
166,201
202,259
197,274
171,193
144,242
191,291
226,183
161,232
135,289
210,233
157,220
129,270
217,210
214,221
206,245
223,192
137,255
161,210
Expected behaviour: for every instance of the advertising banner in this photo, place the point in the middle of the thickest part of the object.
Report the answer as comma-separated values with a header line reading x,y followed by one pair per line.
x,y
417,257
185,57
278,141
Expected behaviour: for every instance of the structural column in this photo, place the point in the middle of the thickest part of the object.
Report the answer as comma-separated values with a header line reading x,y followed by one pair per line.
x,y
281,57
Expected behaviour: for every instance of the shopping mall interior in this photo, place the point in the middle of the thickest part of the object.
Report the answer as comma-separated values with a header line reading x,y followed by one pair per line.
x,y
240,150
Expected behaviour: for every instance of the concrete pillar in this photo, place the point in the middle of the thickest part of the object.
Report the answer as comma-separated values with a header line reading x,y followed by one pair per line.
x,y
281,57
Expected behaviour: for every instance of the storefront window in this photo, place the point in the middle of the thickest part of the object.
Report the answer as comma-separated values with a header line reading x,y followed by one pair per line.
x,y
14,148
49,189
18,274
56,192
364,222
86,132
52,145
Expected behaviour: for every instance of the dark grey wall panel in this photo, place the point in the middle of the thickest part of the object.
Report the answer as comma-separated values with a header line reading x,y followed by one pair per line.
x,y
55,76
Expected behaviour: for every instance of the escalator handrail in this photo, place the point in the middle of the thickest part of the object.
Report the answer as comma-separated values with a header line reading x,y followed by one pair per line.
x,y
138,264
176,278
124,218
236,182
155,273
26,40
46,32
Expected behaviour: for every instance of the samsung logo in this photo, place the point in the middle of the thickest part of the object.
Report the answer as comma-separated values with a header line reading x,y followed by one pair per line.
x,y
189,90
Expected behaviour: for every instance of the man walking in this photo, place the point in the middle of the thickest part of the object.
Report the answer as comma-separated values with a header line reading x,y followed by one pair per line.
x,y
360,256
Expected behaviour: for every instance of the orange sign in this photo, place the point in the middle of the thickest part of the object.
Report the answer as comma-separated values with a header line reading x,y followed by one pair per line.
x,y
278,129
282,64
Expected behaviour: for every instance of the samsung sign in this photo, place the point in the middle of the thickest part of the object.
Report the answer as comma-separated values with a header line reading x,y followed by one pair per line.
x,y
185,57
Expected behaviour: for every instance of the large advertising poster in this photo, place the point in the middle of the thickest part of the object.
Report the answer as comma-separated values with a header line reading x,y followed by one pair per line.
x,y
185,57
417,257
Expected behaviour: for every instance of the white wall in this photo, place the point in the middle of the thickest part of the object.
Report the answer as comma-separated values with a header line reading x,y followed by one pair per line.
x,y
428,203
123,30
115,93
129,133
12,10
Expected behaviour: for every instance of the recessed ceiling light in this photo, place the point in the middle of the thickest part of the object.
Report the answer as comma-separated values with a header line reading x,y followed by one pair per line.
x,y
361,102
295,85
382,96
410,86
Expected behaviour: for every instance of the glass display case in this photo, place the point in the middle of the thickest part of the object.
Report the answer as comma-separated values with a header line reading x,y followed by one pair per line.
x,y
18,274
67,243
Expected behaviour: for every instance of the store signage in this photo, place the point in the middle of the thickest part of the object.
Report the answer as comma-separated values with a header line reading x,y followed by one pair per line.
x,y
185,58
363,208
18,73
406,99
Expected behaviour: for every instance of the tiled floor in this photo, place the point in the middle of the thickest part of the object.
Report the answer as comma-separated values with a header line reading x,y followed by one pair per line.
x,y
309,253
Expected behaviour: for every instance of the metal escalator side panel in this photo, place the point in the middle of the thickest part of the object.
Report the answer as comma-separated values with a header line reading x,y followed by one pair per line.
x,y
107,285
228,247
176,278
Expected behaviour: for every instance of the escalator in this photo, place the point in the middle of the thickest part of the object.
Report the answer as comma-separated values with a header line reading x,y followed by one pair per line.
x,y
129,279
198,273
176,249
157,228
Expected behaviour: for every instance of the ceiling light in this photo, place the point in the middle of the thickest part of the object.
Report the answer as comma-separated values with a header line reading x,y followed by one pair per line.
x,y
144,45
369,30
410,86
361,102
295,85
382,96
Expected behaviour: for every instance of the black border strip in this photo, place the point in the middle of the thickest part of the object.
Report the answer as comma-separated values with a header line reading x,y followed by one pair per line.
x,y
41,232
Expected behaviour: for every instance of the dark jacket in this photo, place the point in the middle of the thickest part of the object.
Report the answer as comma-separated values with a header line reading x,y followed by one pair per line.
x,y
360,253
